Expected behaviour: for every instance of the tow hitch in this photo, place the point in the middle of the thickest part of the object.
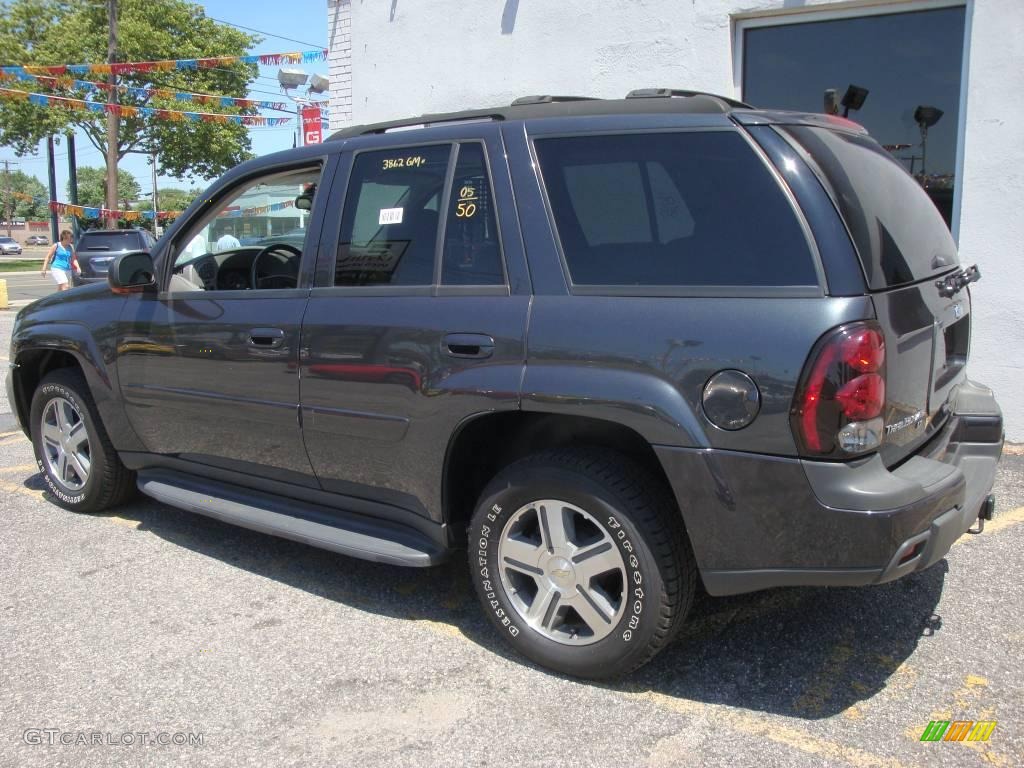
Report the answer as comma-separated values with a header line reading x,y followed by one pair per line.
x,y
987,509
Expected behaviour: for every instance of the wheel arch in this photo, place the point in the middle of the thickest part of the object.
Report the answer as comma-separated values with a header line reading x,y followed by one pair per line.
x,y
485,443
38,351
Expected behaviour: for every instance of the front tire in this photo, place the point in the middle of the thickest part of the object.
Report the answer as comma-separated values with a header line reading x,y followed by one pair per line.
x,y
581,562
73,452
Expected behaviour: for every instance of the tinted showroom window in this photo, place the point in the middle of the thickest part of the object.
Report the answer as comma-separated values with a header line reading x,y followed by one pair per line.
x,y
672,209
389,225
905,61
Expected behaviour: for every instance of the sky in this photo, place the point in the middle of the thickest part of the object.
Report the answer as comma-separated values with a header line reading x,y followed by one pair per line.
x,y
301,20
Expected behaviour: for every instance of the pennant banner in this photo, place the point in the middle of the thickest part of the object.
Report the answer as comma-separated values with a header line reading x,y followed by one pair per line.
x,y
44,100
131,67
261,210
89,212
142,93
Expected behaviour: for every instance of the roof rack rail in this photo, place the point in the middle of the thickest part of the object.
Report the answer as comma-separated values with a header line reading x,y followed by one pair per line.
x,y
667,93
548,99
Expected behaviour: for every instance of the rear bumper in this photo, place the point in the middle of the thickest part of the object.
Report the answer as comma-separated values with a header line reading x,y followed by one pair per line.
x,y
757,521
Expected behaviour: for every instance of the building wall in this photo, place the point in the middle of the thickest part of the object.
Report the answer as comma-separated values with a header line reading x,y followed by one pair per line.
x,y
417,56
339,42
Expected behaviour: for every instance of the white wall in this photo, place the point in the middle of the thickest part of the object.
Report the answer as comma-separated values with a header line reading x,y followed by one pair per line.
x,y
339,68
992,201
409,57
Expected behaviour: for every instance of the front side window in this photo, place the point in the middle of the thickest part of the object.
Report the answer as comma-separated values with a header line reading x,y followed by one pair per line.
x,y
390,222
255,239
672,210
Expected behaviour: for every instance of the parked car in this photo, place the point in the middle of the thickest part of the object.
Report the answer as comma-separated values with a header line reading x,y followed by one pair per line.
x,y
9,246
608,348
97,248
37,240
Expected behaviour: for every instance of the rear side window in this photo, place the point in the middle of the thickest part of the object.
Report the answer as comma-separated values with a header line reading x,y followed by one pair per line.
x,y
900,235
390,222
672,209
472,253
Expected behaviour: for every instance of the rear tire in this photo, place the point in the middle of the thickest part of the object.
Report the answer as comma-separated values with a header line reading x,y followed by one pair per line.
x,y
581,562
73,452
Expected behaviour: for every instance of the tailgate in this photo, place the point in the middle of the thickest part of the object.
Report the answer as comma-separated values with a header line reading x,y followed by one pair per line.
x,y
926,338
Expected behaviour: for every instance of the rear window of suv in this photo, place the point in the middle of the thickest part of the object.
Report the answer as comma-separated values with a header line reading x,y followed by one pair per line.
x,y
672,210
900,235
110,241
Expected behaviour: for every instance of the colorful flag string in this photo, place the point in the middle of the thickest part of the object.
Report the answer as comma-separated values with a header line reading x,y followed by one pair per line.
x,y
142,93
91,212
123,110
130,67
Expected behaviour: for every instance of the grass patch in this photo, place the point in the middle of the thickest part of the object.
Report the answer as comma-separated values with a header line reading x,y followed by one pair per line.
x,y
21,265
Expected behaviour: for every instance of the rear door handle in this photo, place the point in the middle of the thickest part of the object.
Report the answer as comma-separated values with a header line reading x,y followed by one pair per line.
x,y
266,338
468,345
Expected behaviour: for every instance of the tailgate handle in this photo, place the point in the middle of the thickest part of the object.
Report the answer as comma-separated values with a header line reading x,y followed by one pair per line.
x,y
266,338
469,345
950,285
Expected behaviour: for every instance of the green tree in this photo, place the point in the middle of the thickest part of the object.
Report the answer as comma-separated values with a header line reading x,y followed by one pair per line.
x,y
15,188
52,32
172,199
91,186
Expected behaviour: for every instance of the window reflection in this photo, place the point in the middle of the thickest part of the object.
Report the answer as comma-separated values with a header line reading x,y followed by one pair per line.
x,y
906,61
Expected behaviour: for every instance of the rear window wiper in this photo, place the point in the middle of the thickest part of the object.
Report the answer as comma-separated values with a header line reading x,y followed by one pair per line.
x,y
951,285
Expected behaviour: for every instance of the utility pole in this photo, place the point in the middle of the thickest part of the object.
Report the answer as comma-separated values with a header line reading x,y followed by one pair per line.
x,y
51,172
73,180
156,199
112,120
9,204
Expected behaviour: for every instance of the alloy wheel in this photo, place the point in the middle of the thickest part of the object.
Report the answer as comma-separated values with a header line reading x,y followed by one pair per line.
x,y
562,571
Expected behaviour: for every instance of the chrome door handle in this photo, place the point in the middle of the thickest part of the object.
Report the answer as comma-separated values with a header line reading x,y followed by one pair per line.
x,y
468,345
266,338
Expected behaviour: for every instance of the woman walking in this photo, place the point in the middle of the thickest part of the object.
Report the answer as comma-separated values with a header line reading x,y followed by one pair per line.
x,y
62,255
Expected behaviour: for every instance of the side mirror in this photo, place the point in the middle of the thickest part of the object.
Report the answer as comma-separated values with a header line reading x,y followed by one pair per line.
x,y
304,202
131,273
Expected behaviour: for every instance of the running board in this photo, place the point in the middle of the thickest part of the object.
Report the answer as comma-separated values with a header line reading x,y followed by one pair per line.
x,y
368,538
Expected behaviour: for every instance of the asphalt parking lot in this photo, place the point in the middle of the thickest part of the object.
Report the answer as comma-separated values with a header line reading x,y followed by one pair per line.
x,y
148,621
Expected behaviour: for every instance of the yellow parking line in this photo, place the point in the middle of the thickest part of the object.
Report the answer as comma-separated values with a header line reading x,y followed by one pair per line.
x,y
19,468
12,439
764,727
10,434
823,683
1013,449
1002,520
21,489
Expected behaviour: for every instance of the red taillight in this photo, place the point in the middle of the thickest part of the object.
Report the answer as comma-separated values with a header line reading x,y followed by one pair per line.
x,y
841,397
864,350
863,397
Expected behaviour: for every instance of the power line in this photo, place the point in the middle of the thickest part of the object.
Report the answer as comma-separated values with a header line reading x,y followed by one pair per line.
x,y
261,32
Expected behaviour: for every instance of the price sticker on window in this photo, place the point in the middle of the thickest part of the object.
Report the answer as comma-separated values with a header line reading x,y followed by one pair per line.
x,y
390,216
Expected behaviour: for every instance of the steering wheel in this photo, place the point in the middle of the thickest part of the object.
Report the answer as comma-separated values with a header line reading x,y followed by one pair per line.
x,y
256,280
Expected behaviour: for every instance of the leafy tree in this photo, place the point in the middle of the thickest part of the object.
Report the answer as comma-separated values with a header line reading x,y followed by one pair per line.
x,y
91,186
171,199
15,188
51,32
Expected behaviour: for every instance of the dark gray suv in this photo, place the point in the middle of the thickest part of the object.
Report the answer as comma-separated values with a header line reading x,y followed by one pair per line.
x,y
97,248
613,349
